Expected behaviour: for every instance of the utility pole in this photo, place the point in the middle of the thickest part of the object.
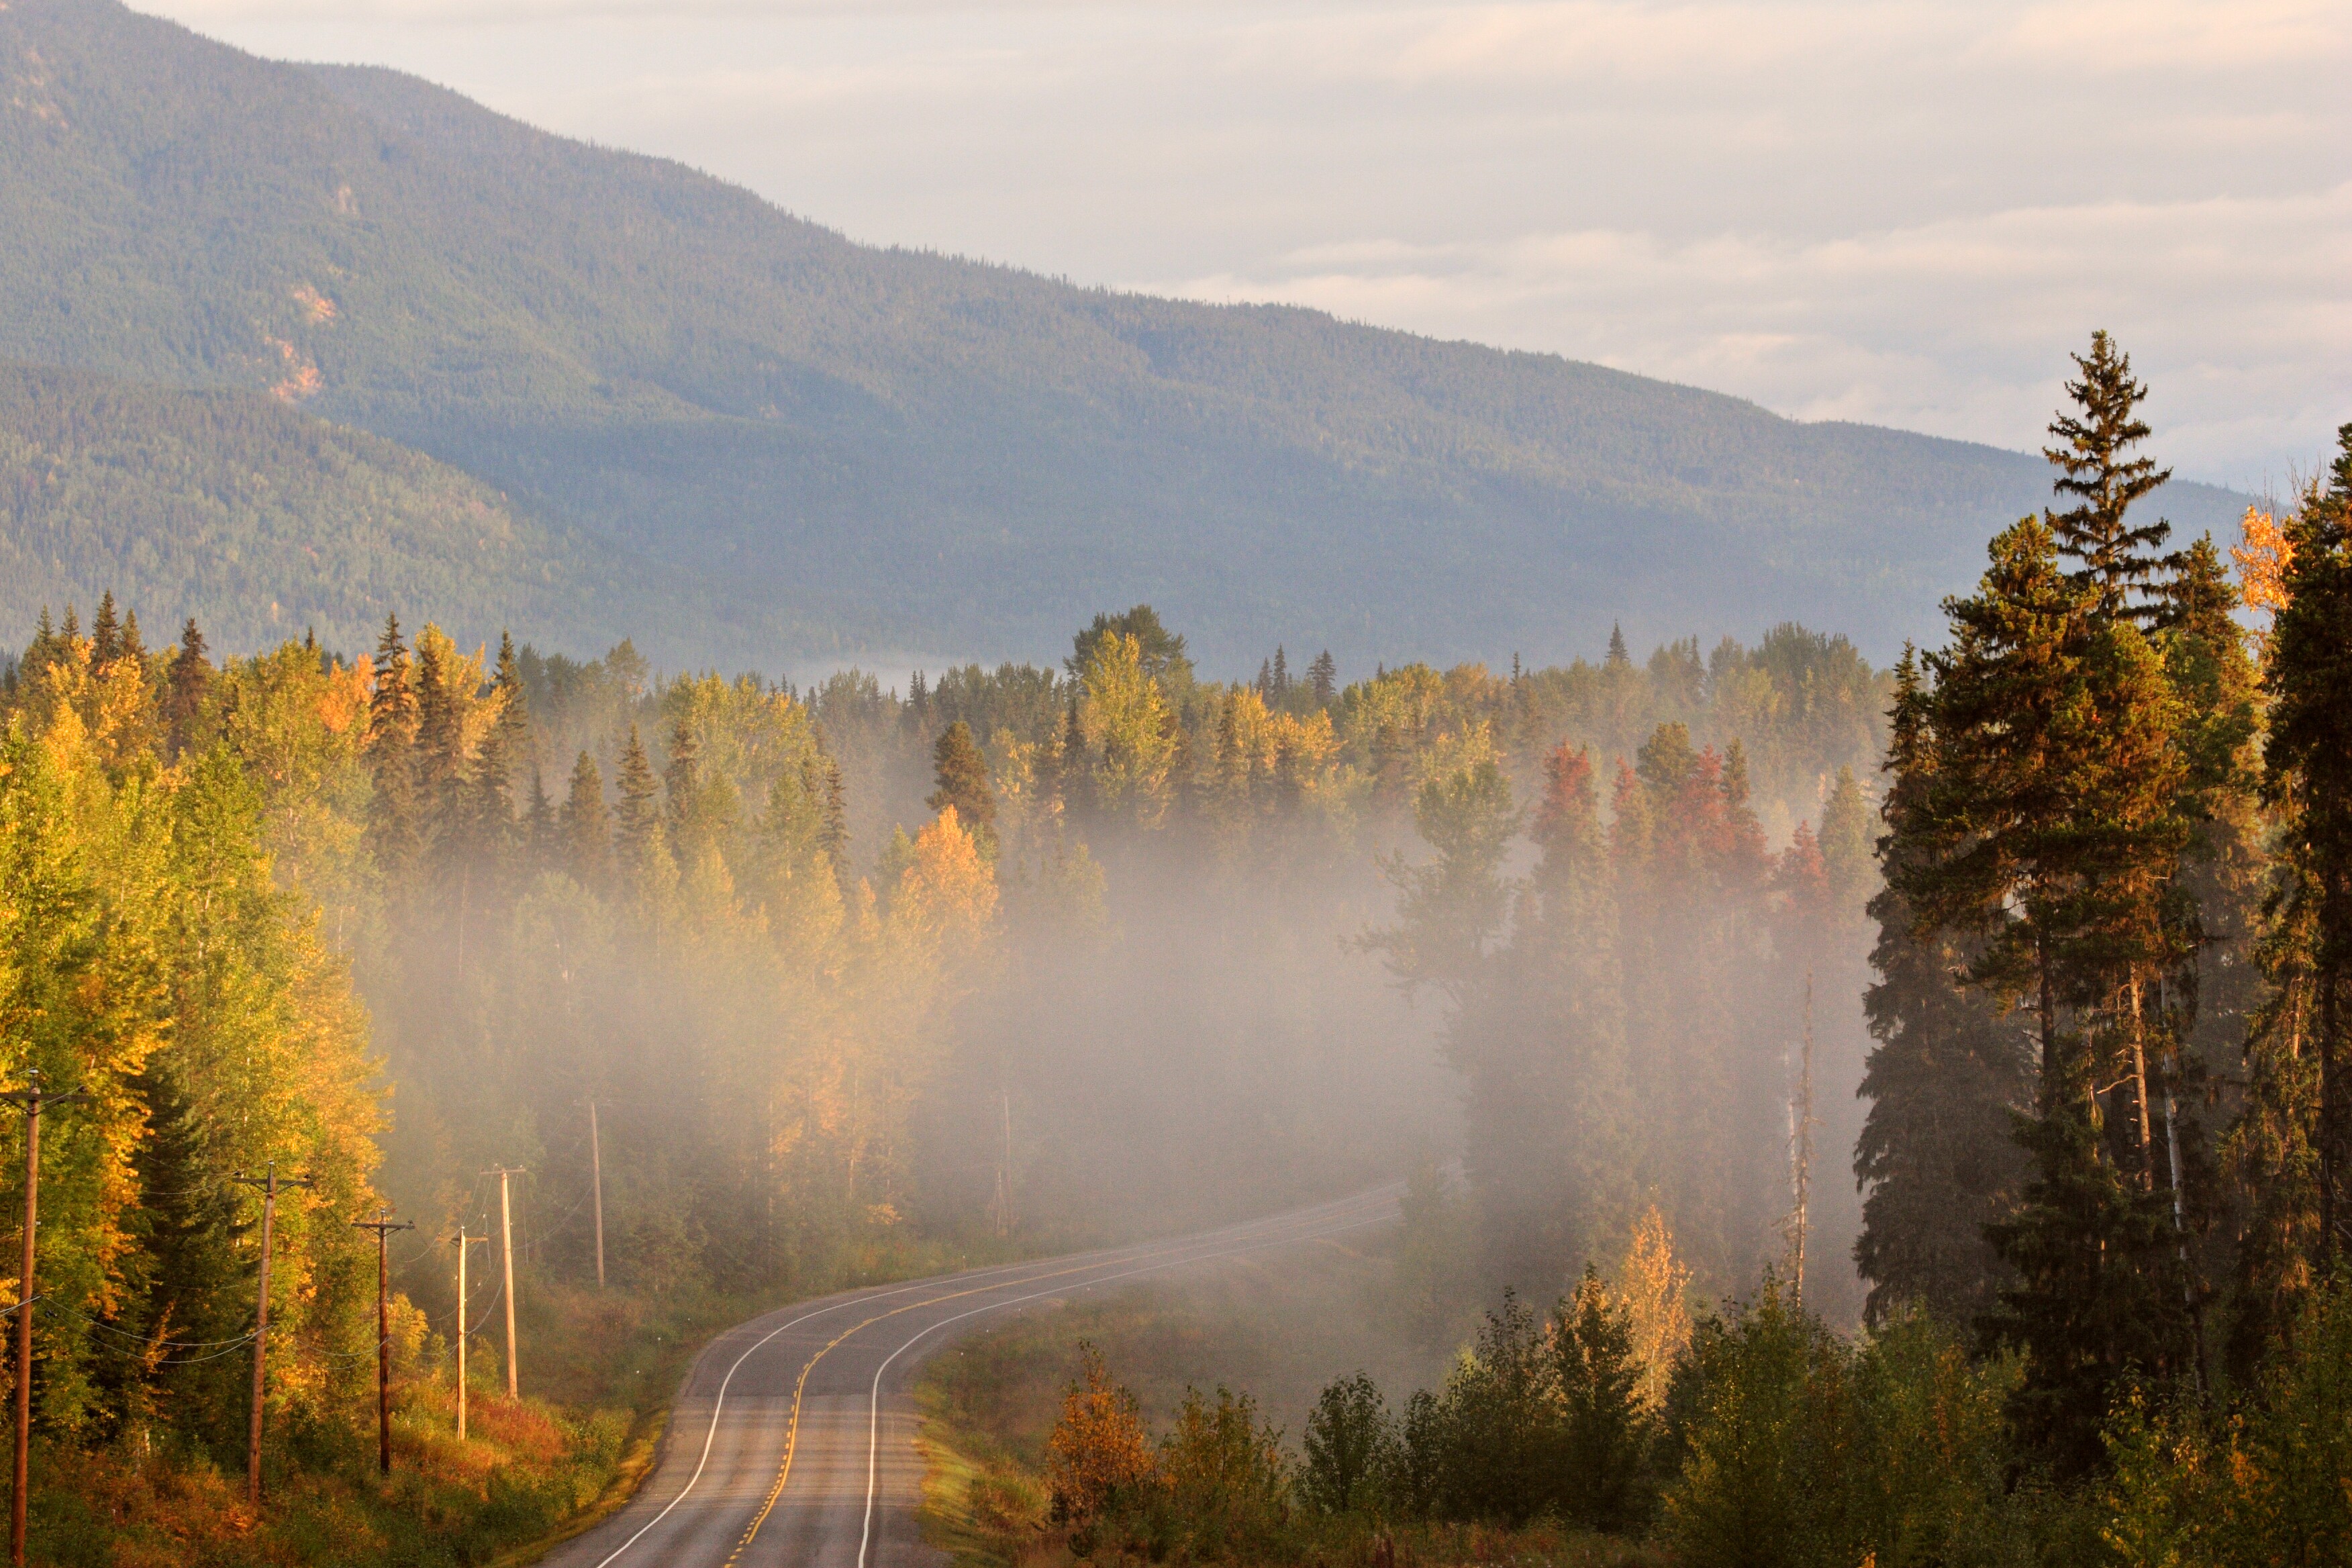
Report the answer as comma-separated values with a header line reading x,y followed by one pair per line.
x,y
268,1181
383,1228
506,1245
1003,1206
1805,1149
596,1169
464,1241
29,1099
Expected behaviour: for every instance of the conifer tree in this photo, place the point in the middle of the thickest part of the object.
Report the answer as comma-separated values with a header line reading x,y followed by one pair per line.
x,y
105,633
1617,657
1281,685
490,808
682,790
638,840
961,775
1323,678
2117,557
2308,755
587,836
394,830
439,753
185,687
2048,822
132,649
1936,1160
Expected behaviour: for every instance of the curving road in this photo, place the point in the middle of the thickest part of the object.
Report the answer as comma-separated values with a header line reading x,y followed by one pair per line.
x,y
792,1441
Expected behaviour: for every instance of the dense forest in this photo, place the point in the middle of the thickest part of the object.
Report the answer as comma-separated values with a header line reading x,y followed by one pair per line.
x,y
851,447
860,980
2104,1158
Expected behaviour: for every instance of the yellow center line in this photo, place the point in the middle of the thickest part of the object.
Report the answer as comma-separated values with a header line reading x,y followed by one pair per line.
x,y
793,1427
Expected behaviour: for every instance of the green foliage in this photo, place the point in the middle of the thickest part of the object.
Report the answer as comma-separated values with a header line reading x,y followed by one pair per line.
x,y
1349,1450
838,445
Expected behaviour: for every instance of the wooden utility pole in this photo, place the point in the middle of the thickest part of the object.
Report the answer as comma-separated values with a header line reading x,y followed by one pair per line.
x,y
596,1170
1805,1149
383,1228
29,1099
464,1241
1003,1203
506,1246
268,1181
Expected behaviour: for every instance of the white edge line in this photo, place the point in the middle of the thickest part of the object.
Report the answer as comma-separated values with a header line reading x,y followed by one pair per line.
x,y
874,1404
718,1404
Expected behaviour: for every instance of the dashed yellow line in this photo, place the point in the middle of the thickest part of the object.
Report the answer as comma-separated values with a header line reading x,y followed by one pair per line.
x,y
793,1427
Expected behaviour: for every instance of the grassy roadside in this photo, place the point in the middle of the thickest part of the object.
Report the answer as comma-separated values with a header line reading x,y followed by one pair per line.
x,y
599,1370
989,1403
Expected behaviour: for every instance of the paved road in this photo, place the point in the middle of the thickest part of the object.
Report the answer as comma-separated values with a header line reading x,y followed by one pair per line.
x,y
793,1440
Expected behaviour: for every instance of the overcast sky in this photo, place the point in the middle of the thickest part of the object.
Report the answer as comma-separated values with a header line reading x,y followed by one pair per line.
x,y
1904,213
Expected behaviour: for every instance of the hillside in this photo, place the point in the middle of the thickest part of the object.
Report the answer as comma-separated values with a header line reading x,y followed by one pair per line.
x,y
877,449
265,521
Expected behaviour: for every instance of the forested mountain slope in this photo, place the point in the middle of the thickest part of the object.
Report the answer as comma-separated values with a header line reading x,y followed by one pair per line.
x,y
883,450
265,521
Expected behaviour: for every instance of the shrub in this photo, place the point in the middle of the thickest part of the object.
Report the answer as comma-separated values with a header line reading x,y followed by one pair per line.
x,y
1351,1449
1098,1458
1605,1434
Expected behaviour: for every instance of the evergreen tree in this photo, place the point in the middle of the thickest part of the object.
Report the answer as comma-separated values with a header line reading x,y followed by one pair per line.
x,y
962,774
682,792
1281,687
394,831
490,808
587,836
2119,558
2308,755
1936,1160
1604,1432
183,689
1323,678
134,651
2047,826
105,634
440,748
638,846
1617,658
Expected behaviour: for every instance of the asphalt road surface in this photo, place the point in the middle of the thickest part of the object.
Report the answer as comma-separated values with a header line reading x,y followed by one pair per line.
x,y
792,1441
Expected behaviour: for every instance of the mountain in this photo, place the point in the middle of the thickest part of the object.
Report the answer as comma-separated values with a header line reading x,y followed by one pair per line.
x,y
847,448
264,523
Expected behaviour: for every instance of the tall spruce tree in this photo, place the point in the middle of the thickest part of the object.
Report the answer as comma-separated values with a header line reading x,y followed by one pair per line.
x,y
394,831
184,687
2308,755
586,833
1936,1161
2118,557
1323,678
2048,826
961,775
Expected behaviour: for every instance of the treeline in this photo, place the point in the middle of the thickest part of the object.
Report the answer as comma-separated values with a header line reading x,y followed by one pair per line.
x,y
1763,1439
2104,1152
850,975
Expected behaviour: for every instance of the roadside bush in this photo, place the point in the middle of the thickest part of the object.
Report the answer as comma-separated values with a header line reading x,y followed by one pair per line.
x,y
2271,1484
1227,1485
1766,1399
1351,1450
1605,1436
1098,1460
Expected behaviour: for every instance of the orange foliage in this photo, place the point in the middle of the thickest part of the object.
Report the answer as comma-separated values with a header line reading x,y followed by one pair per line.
x,y
2262,560
950,892
1099,1453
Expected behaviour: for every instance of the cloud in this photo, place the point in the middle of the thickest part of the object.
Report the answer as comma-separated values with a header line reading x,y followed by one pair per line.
x,y
1884,209
2235,307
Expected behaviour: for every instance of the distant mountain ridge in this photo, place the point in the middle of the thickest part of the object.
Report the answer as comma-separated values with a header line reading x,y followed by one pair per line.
x,y
846,449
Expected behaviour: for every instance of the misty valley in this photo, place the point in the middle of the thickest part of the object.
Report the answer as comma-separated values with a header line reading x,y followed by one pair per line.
x,y
1717,1107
